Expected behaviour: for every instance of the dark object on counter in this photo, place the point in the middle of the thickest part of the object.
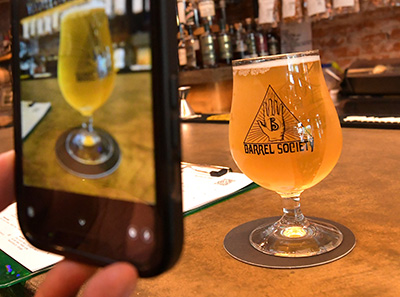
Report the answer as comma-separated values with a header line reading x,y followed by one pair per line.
x,y
372,78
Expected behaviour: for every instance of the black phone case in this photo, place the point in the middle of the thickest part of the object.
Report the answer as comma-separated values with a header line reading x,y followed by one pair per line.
x,y
168,209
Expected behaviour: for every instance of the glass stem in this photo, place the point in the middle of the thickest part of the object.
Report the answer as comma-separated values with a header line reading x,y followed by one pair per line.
x,y
292,215
88,124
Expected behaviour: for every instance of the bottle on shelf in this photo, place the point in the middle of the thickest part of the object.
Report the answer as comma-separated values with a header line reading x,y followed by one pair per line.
x,y
292,11
221,10
207,11
251,51
181,10
273,41
30,7
269,12
261,40
395,3
192,14
341,7
207,46
192,45
231,32
367,5
318,9
225,45
182,56
240,46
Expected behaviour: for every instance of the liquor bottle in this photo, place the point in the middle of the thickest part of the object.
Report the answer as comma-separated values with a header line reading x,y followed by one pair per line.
x,y
250,40
221,10
367,5
182,56
269,12
207,46
273,41
192,14
261,41
30,7
240,47
345,6
318,9
232,34
225,45
292,11
192,45
207,11
38,6
181,9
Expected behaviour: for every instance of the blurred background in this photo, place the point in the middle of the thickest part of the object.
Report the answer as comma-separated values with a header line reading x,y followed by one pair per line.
x,y
359,43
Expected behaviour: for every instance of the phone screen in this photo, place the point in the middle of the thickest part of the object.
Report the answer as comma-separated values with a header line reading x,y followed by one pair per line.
x,y
87,141
94,130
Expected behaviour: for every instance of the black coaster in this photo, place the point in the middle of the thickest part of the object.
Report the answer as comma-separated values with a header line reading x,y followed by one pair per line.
x,y
85,170
237,244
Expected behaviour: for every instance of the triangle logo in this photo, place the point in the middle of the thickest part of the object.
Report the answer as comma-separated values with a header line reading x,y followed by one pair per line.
x,y
276,126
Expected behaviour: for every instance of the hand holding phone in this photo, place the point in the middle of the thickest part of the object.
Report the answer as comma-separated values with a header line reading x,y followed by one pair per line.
x,y
119,279
98,176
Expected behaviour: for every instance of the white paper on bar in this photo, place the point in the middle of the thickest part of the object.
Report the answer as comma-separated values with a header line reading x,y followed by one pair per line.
x,y
200,189
17,247
32,113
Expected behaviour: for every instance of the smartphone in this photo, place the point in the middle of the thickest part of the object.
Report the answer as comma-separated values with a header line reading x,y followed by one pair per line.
x,y
96,115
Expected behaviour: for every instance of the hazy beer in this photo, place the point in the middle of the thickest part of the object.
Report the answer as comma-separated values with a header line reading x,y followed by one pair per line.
x,y
86,79
85,69
284,131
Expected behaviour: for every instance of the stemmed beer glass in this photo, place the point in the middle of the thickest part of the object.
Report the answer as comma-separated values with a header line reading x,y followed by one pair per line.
x,y
285,135
86,79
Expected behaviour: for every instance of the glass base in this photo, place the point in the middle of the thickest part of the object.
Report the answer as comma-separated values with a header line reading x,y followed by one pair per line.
x,y
90,148
304,240
88,155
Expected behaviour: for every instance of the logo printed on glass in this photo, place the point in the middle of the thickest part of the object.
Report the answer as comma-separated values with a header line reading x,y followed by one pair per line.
x,y
276,130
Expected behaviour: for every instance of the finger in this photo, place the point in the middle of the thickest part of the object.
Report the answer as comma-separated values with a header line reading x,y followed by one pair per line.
x,y
277,106
117,280
271,111
7,194
65,279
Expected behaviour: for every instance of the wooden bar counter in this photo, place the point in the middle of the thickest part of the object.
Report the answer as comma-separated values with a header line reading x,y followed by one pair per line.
x,y
361,193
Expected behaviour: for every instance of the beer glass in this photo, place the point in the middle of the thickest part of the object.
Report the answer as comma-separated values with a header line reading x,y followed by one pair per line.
x,y
86,79
285,135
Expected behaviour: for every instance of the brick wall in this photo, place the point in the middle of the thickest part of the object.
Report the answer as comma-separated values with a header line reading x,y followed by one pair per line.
x,y
369,35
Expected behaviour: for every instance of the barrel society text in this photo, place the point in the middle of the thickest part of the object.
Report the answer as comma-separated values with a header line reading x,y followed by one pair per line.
x,y
278,148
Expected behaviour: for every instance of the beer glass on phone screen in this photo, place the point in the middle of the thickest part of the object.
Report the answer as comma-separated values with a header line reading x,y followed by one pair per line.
x,y
285,135
86,79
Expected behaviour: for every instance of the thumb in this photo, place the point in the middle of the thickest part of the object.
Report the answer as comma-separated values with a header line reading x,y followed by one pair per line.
x,y
115,280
